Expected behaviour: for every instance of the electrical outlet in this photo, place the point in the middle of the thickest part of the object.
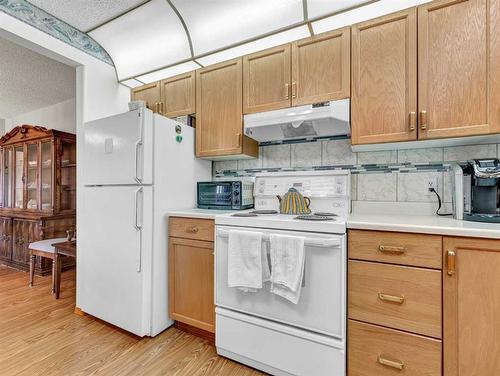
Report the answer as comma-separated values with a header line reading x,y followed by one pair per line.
x,y
431,183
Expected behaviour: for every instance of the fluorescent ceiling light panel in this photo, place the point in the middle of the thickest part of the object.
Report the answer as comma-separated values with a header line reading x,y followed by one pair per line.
x,y
132,83
363,13
258,45
145,39
316,8
169,72
216,24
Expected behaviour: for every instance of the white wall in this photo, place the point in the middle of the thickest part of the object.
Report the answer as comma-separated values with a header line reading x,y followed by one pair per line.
x,y
60,116
98,92
2,126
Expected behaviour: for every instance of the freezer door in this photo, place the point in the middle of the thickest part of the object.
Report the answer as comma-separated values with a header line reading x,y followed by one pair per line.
x,y
119,149
114,256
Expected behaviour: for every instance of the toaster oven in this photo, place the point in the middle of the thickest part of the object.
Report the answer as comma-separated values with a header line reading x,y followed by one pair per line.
x,y
225,195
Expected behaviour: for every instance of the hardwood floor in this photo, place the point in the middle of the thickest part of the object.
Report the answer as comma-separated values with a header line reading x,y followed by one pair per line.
x,y
42,336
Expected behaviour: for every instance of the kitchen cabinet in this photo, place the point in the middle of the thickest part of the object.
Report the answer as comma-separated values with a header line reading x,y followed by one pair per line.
x,y
321,67
471,303
38,200
150,93
191,272
266,80
459,68
384,79
219,113
178,95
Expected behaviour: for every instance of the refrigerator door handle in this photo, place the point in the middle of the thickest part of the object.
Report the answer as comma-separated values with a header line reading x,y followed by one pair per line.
x,y
138,172
138,223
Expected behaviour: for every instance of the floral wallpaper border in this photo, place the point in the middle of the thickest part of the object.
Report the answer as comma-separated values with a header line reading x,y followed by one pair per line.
x,y
38,18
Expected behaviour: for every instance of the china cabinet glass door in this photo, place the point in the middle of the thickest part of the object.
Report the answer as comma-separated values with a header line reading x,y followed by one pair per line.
x,y
7,177
47,162
19,177
32,177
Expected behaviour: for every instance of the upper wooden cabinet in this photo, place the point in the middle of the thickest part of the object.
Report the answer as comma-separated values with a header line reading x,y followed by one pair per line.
x,y
321,67
459,68
471,303
219,112
384,79
151,94
311,70
178,95
266,80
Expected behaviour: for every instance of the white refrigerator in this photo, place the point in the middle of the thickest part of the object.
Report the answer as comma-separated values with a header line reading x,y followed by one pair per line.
x,y
136,167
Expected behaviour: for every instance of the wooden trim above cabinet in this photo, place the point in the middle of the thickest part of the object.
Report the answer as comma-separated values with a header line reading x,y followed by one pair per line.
x,y
178,95
323,72
267,80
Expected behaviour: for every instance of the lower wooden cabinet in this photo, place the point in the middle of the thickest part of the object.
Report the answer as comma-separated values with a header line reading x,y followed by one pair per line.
x,y
191,277
471,303
377,351
5,238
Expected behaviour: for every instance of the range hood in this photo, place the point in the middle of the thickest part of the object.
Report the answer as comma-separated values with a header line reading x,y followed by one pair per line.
x,y
303,122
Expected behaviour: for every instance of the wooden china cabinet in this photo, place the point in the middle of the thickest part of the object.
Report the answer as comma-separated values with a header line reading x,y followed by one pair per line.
x,y
38,191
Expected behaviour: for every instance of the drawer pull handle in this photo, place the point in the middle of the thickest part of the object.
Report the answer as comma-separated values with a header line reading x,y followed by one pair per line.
x,y
391,298
391,363
192,230
451,261
391,249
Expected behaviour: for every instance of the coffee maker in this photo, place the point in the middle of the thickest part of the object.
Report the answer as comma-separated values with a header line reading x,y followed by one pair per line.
x,y
477,190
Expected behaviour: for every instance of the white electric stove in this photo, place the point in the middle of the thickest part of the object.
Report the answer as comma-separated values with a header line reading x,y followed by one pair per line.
x,y
266,331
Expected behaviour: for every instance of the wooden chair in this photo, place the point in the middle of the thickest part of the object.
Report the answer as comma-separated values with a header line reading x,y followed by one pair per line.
x,y
44,248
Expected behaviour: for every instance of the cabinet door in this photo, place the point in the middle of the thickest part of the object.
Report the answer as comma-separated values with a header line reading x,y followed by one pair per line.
x,y
471,303
5,238
178,95
459,68
266,80
151,94
219,112
24,232
384,79
321,67
191,282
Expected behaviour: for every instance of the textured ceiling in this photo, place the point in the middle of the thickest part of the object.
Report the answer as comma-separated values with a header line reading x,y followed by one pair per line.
x,y
86,14
29,81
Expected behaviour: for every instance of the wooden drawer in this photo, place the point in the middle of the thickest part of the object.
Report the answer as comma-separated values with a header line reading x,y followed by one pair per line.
x,y
396,248
395,296
191,228
373,350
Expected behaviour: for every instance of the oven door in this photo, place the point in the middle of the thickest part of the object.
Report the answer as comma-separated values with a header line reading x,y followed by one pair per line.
x,y
216,195
322,304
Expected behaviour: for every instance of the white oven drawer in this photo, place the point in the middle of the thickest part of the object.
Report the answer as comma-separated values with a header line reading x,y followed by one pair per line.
x,y
322,304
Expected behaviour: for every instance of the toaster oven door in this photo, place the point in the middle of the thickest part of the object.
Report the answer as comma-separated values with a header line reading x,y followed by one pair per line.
x,y
216,195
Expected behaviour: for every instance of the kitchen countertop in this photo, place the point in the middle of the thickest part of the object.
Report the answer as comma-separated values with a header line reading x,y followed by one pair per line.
x,y
424,224
198,213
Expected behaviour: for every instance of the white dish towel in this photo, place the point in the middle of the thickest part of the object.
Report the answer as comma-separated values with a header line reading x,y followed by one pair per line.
x,y
247,263
287,266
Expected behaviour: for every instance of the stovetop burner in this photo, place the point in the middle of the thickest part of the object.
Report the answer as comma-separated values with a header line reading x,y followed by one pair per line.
x,y
264,212
244,215
325,214
314,217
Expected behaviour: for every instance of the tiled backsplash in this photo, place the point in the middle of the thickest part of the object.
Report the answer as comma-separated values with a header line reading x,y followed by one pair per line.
x,y
385,186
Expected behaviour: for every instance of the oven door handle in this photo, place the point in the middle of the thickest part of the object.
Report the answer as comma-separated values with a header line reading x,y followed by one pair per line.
x,y
310,242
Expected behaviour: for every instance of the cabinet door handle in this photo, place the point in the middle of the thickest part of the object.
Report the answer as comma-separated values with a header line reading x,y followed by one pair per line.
x,y
391,249
423,120
451,258
391,298
240,138
287,91
413,120
294,89
391,363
